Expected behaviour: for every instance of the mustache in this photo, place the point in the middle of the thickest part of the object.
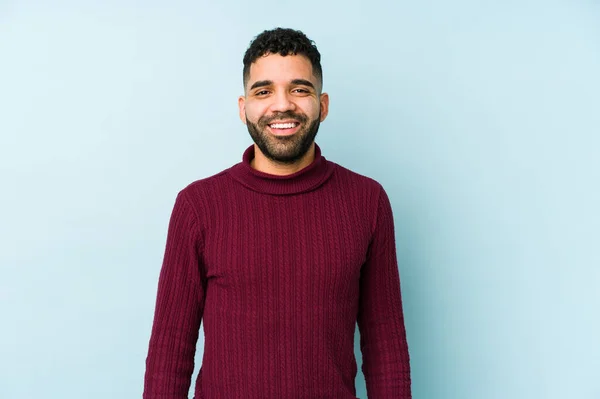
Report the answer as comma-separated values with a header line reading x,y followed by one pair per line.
x,y
264,121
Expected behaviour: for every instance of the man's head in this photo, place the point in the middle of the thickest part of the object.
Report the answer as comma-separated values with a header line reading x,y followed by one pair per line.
x,y
283,42
283,103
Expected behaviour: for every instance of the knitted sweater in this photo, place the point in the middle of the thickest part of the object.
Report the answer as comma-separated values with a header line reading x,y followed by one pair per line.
x,y
279,269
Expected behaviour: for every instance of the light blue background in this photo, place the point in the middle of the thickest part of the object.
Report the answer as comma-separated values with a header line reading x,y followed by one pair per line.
x,y
480,118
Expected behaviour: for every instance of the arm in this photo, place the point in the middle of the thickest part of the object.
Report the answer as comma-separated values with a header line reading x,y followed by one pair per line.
x,y
179,307
383,342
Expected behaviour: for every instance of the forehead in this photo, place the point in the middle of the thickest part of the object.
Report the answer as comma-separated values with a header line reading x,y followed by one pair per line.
x,y
281,69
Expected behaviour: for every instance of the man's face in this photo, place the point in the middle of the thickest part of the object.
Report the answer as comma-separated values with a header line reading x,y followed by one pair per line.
x,y
283,106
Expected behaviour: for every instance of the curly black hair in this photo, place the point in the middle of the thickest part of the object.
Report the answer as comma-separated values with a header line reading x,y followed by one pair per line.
x,y
284,42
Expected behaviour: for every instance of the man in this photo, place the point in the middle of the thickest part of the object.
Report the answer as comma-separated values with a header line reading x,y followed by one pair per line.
x,y
280,256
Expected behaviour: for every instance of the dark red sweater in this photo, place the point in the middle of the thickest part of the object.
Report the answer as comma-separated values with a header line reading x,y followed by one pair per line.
x,y
279,269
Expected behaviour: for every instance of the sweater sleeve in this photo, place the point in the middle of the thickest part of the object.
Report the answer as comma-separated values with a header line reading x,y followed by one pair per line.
x,y
383,344
179,308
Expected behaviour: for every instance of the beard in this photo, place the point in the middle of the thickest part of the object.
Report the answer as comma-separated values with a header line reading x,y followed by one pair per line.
x,y
284,149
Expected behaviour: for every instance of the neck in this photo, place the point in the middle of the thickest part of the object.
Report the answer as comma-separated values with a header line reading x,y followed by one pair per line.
x,y
263,164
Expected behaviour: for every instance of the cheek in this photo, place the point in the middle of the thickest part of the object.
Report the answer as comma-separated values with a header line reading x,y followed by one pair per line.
x,y
253,112
311,109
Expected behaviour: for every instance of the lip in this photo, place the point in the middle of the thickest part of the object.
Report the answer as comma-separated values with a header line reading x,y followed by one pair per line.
x,y
283,121
284,132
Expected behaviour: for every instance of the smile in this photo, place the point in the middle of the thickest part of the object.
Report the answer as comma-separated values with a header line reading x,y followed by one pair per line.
x,y
288,125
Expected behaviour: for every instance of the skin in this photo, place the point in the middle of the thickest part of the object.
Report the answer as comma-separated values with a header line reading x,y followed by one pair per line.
x,y
282,88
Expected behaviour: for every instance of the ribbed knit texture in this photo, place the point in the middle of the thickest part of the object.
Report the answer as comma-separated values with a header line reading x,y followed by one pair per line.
x,y
279,269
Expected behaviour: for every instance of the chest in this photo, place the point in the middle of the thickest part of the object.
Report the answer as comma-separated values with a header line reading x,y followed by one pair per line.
x,y
286,242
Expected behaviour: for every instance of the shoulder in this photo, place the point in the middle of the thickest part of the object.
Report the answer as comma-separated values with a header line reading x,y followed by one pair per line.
x,y
357,181
207,184
368,191
204,194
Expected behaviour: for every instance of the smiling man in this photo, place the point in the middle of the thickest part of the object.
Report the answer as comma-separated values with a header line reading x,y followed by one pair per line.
x,y
280,256
282,108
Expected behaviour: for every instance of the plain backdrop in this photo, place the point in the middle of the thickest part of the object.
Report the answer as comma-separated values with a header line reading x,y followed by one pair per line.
x,y
480,118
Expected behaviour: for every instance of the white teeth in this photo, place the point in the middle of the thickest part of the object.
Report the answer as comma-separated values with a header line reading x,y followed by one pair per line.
x,y
283,125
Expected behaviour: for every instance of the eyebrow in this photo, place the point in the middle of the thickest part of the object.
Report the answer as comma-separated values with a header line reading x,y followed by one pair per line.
x,y
263,83
303,82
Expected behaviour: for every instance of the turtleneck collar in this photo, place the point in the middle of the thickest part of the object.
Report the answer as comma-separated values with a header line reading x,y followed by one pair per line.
x,y
307,179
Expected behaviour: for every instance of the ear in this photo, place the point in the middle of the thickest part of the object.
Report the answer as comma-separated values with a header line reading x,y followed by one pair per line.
x,y
324,100
242,108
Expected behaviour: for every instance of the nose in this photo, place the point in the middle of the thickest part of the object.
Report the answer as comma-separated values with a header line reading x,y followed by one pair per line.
x,y
282,102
